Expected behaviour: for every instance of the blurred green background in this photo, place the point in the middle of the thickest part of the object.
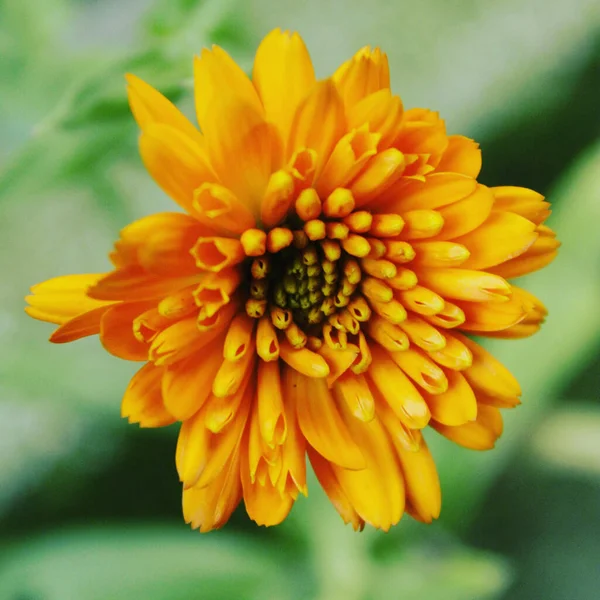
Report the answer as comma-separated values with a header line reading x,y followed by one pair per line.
x,y
90,507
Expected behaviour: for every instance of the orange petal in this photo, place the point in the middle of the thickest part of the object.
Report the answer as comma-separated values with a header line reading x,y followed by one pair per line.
x,y
215,72
322,425
218,208
187,383
134,283
188,335
143,402
83,325
116,331
216,253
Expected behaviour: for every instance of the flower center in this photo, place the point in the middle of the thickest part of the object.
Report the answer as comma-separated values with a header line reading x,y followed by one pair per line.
x,y
306,287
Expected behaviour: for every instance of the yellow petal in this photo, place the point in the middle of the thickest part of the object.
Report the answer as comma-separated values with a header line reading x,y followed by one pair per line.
x,y
423,489
466,284
322,425
421,370
176,162
271,413
480,434
461,156
210,507
421,300
326,476
383,113
365,73
465,215
349,156
142,402
150,106
380,172
440,254
437,190
423,133
524,202
422,334
283,76
389,384
483,317
454,355
243,148
456,405
215,73
503,236
487,374
60,299
323,106
354,391
377,491
304,361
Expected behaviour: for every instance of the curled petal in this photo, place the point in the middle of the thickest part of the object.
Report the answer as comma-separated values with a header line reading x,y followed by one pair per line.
x,y
143,401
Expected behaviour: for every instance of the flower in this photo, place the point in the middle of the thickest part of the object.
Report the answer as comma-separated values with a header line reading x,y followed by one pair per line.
x,y
317,294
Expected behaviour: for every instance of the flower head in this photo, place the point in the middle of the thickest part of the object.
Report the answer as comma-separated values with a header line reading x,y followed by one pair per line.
x,y
317,293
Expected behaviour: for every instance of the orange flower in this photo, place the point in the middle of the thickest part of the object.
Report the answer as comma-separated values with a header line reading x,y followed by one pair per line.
x,y
313,298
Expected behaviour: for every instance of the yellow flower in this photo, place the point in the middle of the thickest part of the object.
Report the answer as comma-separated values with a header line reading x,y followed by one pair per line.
x,y
316,294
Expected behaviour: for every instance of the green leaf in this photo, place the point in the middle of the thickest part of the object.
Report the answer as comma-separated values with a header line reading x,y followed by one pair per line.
x,y
440,574
151,562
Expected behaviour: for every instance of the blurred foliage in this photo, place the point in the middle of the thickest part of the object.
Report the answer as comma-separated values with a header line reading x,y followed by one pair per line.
x,y
90,507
